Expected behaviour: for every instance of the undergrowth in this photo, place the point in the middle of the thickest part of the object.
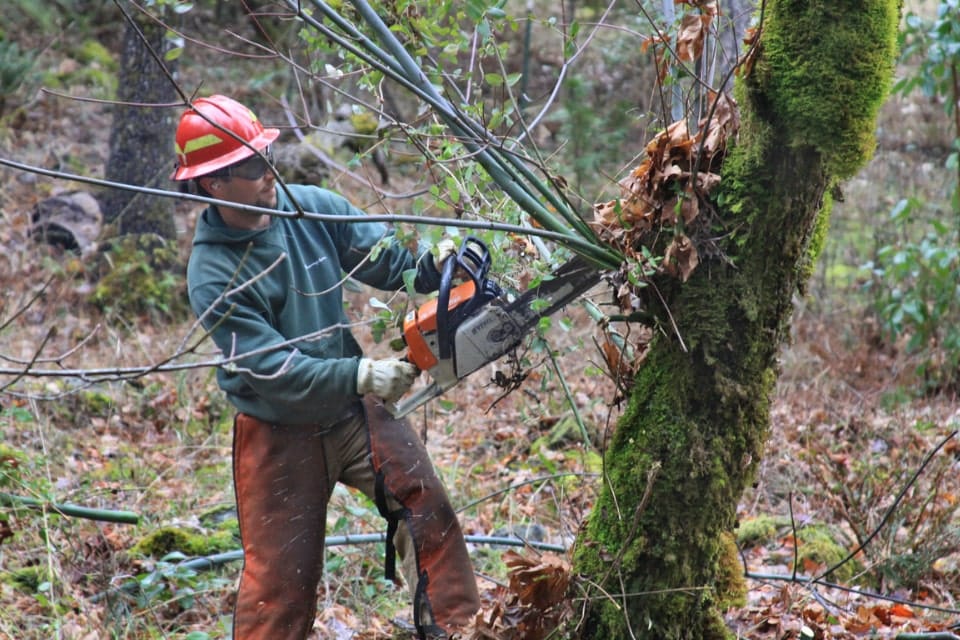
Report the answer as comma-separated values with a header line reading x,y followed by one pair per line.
x,y
895,492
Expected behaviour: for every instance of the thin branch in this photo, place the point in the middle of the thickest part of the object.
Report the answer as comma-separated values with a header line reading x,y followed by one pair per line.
x,y
652,474
764,577
560,238
793,531
892,509
212,561
570,400
563,72
510,173
29,303
57,358
19,374
517,485
330,162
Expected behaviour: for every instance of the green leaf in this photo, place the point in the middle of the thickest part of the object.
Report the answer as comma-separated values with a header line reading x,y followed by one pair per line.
x,y
409,278
376,303
494,79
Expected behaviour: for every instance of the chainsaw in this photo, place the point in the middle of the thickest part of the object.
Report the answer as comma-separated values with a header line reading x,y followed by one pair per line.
x,y
476,322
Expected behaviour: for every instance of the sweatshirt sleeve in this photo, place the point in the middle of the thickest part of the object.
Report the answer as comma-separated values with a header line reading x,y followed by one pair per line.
x,y
370,252
266,374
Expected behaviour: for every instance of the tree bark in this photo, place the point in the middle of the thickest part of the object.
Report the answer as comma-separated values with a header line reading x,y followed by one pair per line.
x,y
692,436
141,137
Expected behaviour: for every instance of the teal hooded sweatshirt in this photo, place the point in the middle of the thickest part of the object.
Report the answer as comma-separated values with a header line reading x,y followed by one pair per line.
x,y
273,302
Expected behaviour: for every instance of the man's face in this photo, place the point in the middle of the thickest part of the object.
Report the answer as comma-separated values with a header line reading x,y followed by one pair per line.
x,y
249,182
260,192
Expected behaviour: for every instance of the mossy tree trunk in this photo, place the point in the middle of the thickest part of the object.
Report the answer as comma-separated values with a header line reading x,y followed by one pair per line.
x,y
141,137
694,431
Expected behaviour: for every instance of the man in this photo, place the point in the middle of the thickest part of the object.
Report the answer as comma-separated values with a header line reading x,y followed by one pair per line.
x,y
310,410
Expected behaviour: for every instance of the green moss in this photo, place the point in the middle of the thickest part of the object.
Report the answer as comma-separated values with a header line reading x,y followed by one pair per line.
x,y
834,66
591,460
757,531
95,67
221,518
141,274
817,545
364,123
26,579
93,52
664,430
739,188
96,403
168,539
818,239
10,455
731,584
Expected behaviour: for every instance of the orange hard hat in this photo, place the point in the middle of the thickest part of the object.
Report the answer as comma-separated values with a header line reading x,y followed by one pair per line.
x,y
203,147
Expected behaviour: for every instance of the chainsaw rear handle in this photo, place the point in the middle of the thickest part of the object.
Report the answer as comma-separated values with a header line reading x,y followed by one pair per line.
x,y
473,258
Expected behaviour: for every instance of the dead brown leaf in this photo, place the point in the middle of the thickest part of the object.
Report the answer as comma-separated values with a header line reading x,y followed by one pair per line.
x,y
693,33
670,185
539,582
681,258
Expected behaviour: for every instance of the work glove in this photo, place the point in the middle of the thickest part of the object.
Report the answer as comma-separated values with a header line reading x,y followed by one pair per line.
x,y
445,249
388,379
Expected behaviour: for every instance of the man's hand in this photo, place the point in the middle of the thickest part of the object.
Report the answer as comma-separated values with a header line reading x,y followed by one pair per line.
x,y
445,249
388,379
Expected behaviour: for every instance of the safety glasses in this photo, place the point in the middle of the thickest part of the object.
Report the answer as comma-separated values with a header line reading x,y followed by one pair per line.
x,y
252,168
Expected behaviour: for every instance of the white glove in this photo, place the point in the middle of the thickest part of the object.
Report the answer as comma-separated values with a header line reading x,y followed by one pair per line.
x,y
388,379
445,249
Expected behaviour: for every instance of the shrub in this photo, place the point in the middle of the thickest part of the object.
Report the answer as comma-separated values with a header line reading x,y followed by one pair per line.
x,y
141,274
15,64
914,287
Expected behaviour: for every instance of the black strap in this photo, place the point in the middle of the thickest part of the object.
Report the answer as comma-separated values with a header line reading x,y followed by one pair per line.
x,y
390,557
422,612
393,522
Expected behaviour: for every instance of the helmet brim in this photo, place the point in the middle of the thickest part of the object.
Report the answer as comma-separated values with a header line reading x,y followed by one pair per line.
x,y
261,142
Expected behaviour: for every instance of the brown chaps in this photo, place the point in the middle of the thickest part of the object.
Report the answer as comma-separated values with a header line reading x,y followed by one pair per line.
x,y
284,476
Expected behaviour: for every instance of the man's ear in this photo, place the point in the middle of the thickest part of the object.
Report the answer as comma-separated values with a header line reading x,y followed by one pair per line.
x,y
210,185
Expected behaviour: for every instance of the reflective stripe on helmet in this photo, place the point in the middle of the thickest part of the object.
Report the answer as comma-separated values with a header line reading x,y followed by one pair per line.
x,y
202,142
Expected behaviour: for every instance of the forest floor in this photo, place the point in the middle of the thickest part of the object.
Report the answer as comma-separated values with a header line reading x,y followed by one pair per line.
x,y
855,462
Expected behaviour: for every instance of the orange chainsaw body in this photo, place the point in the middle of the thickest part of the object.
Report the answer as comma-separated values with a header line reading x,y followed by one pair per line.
x,y
422,322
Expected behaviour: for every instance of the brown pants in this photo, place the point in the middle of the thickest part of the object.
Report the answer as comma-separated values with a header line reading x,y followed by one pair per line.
x,y
284,476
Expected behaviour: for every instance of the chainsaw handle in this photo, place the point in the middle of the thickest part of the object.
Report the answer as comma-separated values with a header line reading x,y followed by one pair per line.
x,y
473,258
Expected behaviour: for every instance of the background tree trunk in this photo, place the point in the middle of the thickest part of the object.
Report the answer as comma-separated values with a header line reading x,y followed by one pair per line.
x,y
141,137
692,436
